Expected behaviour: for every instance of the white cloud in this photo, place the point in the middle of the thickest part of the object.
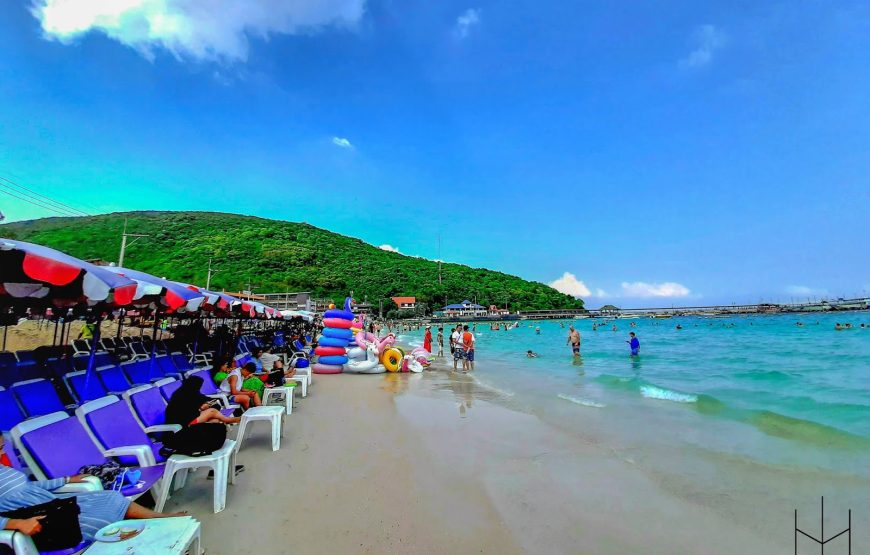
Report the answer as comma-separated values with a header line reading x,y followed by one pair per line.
x,y
468,19
390,248
804,291
341,142
644,290
192,29
570,285
707,40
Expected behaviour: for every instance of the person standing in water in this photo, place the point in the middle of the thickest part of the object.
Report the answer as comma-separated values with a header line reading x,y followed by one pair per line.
x,y
634,344
456,347
441,341
468,347
427,339
574,340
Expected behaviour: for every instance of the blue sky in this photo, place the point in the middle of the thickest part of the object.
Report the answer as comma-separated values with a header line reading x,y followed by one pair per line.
x,y
659,153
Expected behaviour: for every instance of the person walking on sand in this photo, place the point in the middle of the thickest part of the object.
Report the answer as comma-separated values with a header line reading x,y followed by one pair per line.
x,y
468,347
634,344
427,339
574,340
440,341
456,347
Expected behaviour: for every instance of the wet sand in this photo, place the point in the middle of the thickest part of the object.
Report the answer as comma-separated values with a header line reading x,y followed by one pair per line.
x,y
433,463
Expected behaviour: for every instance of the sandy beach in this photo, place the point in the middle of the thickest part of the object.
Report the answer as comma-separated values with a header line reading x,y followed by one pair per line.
x,y
434,463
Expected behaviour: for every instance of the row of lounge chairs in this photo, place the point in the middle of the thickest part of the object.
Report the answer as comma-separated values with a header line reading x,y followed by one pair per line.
x,y
39,396
127,428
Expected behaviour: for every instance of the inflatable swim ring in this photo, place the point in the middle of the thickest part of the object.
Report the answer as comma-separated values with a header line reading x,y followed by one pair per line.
x,y
356,353
392,359
338,313
336,323
334,360
329,351
331,342
326,369
347,335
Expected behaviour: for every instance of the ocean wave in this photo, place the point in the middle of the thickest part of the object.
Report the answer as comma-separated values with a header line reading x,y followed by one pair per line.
x,y
582,402
808,431
653,392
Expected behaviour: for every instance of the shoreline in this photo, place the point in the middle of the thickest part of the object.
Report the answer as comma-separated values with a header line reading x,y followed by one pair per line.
x,y
435,463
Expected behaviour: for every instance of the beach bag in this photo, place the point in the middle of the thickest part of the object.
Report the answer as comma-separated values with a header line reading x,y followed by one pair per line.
x,y
195,441
60,527
108,472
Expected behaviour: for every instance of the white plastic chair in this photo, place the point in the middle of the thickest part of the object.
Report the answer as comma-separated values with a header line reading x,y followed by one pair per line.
x,y
218,461
221,461
273,415
283,394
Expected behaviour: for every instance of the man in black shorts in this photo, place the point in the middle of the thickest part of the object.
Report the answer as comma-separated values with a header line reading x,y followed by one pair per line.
x,y
574,340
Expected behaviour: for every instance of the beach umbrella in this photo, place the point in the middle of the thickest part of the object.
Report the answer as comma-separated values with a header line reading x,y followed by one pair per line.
x,y
34,275
215,302
168,296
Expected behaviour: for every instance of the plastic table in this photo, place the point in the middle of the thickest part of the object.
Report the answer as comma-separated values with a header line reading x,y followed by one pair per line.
x,y
161,536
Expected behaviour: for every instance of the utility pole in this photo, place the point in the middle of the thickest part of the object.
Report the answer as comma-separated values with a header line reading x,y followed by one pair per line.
x,y
124,243
439,259
210,272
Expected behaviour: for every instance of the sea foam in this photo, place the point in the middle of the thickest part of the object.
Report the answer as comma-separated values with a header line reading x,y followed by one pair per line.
x,y
582,402
653,392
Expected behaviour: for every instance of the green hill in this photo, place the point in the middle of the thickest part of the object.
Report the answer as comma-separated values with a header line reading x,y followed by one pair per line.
x,y
277,256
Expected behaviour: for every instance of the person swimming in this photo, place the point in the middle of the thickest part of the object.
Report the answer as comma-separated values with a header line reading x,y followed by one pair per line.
x,y
531,354
634,344
538,330
679,327
838,326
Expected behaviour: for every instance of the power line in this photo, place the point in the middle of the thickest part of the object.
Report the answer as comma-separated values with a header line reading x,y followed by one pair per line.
x,y
62,205
37,203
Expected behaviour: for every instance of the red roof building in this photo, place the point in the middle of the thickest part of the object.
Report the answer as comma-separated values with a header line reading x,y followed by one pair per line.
x,y
405,303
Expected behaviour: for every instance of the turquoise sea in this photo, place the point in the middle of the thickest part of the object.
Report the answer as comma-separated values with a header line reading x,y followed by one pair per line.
x,y
759,389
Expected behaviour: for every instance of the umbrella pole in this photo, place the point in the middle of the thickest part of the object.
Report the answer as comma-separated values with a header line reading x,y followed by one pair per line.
x,y
196,338
68,331
5,329
94,340
54,337
120,322
154,342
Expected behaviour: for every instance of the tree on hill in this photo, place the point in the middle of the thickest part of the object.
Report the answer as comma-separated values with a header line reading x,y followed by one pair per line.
x,y
278,256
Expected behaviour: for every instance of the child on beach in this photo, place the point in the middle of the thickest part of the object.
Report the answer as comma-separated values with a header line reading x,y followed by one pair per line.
x,y
634,344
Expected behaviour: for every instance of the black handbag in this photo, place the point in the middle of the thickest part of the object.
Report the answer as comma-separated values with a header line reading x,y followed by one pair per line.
x,y
60,527
276,378
195,441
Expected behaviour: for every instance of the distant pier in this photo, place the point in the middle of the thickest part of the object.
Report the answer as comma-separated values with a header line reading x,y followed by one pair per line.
x,y
709,310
